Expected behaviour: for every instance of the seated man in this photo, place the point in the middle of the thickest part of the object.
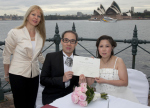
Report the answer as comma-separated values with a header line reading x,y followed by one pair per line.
x,y
57,75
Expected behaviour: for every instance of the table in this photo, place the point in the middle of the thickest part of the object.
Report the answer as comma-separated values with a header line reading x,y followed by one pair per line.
x,y
112,102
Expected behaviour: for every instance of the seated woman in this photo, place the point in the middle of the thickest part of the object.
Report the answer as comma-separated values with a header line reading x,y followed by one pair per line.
x,y
113,78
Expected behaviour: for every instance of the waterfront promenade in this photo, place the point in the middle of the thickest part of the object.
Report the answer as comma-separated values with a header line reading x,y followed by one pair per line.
x,y
99,28
9,103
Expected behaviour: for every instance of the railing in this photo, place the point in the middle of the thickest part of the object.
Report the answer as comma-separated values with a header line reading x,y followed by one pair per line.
x,y
134,43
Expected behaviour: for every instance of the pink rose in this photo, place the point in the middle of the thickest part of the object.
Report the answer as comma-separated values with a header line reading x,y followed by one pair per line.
x,y
74,93
83,103
74,98
83,89
82,97
79,93
78,101
83,85
77,89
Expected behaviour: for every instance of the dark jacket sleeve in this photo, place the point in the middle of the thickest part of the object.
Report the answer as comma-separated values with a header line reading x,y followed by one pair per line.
x,y
51,75
75,81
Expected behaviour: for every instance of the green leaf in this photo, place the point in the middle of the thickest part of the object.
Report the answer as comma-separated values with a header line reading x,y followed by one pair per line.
x,y
90,94
104,96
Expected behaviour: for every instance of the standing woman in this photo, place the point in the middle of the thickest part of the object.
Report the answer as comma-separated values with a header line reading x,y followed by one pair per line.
x,y
25,44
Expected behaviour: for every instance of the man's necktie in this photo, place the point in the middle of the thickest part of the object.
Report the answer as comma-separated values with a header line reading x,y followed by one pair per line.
x,y
69,61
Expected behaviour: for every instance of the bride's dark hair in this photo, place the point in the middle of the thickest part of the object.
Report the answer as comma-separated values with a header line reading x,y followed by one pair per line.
x,y
111,41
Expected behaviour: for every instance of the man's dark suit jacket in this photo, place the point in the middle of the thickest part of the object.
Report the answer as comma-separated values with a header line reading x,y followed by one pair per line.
x,y
52,78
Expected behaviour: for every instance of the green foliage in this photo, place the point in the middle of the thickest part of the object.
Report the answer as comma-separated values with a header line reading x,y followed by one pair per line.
x,y
90,94
104,96
141,15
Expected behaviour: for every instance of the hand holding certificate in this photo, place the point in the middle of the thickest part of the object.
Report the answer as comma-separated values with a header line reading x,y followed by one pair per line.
x,y
86,65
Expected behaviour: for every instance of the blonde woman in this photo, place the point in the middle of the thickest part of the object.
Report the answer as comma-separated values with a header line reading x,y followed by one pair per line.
x,y
25,44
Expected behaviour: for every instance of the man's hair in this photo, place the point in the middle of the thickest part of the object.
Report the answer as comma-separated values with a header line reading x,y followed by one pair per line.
x,y
70,31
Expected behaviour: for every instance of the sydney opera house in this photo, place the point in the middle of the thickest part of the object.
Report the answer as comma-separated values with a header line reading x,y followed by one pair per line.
x,y
113,11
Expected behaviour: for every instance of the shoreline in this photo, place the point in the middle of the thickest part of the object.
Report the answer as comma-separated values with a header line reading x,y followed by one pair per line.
x,y
88,19
124,19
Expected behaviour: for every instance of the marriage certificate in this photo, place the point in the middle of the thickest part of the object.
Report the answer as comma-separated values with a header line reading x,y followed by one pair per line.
x,y
86,65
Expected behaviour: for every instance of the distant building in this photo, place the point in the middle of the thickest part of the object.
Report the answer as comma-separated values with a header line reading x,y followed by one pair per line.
x,y
99,11
6,17
146,11
113,11
126,14
132,9
79,14
11,17
1,17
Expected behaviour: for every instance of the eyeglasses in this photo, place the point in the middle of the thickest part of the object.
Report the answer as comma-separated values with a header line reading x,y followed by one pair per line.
x,y
66,40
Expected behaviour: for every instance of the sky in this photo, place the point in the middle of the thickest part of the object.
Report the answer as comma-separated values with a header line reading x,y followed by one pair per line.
x,y
69,7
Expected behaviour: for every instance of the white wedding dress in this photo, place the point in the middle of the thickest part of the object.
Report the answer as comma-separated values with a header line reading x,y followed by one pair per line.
x,y
117,91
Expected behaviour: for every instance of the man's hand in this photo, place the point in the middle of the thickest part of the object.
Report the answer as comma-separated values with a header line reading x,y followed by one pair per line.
x,y
67,76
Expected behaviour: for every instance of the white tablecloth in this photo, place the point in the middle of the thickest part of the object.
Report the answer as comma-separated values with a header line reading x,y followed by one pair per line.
x,y
66,102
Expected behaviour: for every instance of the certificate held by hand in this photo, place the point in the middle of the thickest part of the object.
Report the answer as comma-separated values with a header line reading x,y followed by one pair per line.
x,y
86,65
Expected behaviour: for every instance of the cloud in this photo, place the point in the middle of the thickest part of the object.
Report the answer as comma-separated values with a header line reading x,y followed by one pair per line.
x,y
69,6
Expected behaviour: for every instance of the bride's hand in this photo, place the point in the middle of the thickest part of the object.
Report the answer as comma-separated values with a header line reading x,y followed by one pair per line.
x,y
99,80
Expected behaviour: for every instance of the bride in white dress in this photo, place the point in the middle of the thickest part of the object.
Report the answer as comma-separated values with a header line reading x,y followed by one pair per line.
x,y
113,78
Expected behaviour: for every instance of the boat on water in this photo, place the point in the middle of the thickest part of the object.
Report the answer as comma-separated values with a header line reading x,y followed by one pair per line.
x,y
108,19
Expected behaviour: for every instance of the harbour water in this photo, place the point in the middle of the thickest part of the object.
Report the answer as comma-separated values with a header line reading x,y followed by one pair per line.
x,y
93,29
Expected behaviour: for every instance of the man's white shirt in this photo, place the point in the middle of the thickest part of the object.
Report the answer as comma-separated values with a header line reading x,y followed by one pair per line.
x,y
67,68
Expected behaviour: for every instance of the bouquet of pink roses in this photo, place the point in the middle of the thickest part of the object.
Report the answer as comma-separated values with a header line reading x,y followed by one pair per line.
x,y
83,95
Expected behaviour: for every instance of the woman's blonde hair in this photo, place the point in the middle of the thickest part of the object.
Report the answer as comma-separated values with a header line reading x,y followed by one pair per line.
x,y
41,26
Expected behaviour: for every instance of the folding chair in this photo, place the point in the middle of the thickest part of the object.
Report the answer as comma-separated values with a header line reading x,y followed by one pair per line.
x,y
139,85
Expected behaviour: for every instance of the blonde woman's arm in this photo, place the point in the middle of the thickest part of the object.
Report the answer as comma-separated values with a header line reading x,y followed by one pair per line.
x,y
10,45
6,70
41,58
